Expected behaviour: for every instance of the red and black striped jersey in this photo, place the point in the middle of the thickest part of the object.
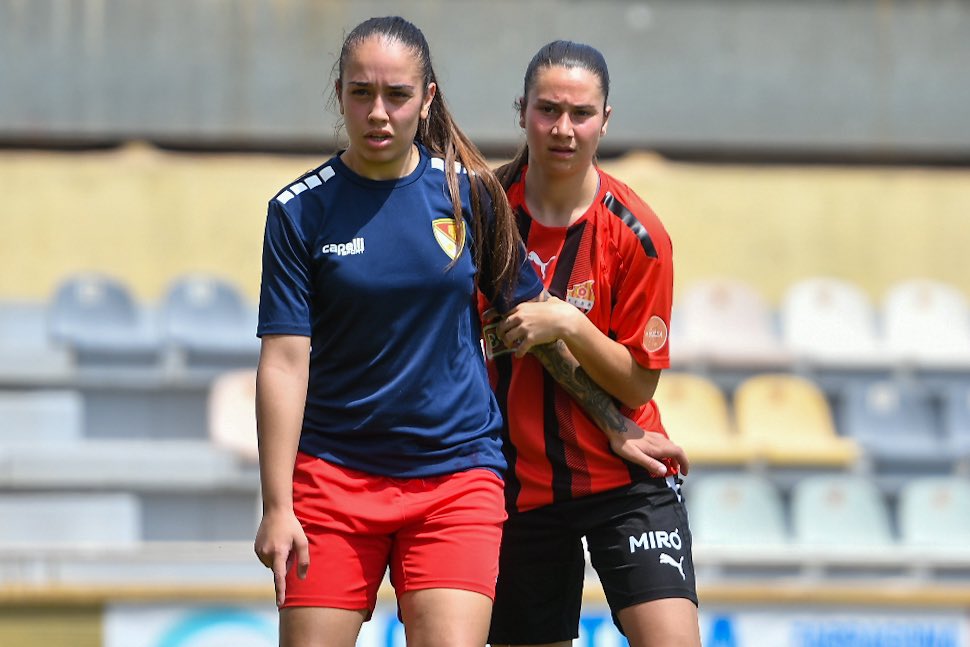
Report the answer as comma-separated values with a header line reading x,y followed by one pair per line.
x,y
614,263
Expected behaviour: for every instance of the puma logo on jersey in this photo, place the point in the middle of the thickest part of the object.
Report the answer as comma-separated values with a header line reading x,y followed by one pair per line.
x,y
356,246
667,559
581,295
538,261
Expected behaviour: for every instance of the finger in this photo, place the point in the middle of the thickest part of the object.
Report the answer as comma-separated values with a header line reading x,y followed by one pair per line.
x,y
302,559
279,577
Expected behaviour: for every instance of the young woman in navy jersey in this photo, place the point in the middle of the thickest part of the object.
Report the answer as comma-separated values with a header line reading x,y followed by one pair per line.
x,y
379,437
606,259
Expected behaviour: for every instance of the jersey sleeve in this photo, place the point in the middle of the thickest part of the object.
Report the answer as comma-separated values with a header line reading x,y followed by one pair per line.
x,y
284,293
643,294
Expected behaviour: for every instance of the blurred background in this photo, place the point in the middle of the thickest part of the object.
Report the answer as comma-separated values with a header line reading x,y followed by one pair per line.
x,y
810,159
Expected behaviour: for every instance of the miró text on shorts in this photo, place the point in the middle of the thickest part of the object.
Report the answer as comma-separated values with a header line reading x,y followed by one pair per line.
x,y
656,539
356,246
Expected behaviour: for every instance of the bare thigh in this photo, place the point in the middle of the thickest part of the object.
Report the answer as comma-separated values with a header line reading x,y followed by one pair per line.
x,y
320,626
445,618
670,622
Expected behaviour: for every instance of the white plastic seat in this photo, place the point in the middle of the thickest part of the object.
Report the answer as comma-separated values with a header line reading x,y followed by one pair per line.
x,y
927,323
839,511
726,321
935,511
830,321
739,509
232,413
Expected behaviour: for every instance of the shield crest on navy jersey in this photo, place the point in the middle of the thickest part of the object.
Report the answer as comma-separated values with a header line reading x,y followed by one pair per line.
x,y
450,237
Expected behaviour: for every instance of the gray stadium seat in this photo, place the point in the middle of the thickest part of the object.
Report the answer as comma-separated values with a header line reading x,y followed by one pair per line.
x,y
956,419
894,424
40,417
26,352
739,509
70,520
97,318
839,511
209,322
935,511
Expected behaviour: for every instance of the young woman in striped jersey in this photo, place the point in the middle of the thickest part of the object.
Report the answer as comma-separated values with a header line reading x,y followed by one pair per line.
x,y
605,257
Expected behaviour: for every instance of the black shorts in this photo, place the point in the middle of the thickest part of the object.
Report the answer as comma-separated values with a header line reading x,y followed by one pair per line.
x,y
639,543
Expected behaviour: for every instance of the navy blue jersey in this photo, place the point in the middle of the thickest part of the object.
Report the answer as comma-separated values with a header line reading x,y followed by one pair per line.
x,y
397,382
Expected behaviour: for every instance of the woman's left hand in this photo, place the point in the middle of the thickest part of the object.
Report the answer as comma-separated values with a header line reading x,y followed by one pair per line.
x,y
537,322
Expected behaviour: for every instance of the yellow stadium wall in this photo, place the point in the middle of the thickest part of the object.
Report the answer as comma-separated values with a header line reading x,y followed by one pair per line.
x,y
148,215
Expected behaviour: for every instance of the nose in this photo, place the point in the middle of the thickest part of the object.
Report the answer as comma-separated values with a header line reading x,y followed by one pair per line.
x,y
377,113
563,126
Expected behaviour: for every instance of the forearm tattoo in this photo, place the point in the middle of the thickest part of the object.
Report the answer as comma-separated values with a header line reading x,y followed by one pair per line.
x,y
597,404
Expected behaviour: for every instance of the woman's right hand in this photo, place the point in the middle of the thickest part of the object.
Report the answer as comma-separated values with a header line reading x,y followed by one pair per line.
x,y
280,541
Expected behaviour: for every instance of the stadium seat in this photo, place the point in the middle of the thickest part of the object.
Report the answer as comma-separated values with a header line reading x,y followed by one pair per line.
x,y
70,520
839,510
956,420
788,420
738,509
935,511
894,425
96,317
232,414
41,417
927,323
726,322
26,351
695,414
207,320
831,322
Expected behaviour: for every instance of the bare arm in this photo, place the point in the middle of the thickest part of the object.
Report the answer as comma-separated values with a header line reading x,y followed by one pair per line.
x,y
626,438
281,389
608,363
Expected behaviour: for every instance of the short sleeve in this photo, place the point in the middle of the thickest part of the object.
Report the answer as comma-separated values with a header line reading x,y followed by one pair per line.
x,y
284,293
643,292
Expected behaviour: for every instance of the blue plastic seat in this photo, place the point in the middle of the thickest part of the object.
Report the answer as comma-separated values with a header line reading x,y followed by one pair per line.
x,y
894,424
96,317
208,319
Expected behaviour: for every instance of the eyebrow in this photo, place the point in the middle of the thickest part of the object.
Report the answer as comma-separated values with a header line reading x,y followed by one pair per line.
x,y
392,86
560,104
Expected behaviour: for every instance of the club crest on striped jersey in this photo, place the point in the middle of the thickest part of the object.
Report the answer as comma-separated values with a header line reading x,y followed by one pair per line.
x,y
654,334
450,236
582,295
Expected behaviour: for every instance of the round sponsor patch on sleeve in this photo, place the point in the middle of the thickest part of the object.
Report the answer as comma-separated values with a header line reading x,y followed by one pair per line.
x,y
654,334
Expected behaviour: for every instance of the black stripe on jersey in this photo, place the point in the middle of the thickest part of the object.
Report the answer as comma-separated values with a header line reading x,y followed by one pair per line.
x,y
624,214
503,368
524,222
567,259
562,479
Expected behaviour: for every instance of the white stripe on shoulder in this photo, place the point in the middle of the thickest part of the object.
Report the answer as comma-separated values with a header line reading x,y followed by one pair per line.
x,y
438,163
309,182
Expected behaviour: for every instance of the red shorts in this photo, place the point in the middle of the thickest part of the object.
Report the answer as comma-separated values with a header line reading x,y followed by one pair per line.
x,y
438,532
